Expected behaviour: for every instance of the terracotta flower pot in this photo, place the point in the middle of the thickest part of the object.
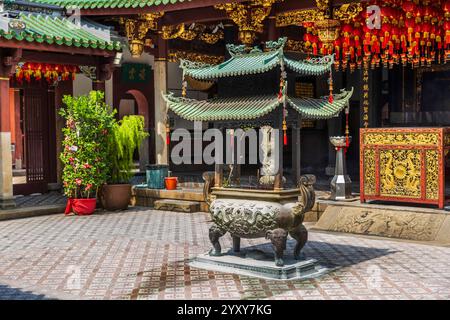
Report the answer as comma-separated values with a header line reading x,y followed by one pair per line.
x,y
171,183
115,196
81,207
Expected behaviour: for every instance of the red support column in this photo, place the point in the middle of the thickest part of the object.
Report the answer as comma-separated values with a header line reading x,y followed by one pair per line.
x,y
8,61
18,159
6,178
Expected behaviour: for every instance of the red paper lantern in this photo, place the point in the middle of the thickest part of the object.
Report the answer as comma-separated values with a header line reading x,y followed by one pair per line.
x,y
409,8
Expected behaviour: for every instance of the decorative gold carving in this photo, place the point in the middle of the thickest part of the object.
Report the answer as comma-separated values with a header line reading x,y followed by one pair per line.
x,y
195,31
136,30
248,17
328,30
366,88
400,173
348,11
297,17
211,38
151,19
179,31
369,172
296,46
176,55
323,5
401,138
432,174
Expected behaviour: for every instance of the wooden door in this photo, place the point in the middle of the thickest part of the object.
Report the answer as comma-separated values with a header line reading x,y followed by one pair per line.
x,y
38,126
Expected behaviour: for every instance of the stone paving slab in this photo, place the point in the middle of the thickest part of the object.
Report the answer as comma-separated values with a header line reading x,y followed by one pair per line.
x,y
144,254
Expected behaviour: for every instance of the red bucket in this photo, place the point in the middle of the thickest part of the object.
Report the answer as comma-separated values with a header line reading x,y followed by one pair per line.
x,y
81,207
171,183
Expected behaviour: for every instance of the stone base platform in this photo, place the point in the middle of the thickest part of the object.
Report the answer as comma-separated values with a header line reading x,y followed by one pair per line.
x,y
259,264
386,220
177,205
146,197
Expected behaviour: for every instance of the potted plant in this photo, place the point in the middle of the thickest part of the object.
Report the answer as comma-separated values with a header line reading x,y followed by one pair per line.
x,y
85,149
125,138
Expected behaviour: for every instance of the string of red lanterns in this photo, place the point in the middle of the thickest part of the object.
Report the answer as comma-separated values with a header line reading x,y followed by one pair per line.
x,y
412,32
49,72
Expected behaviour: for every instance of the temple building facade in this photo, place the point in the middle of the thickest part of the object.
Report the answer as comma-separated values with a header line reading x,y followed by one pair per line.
x,y
391,55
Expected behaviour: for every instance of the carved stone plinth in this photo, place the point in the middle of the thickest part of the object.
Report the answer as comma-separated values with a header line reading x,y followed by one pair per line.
x,y
341,185
257,262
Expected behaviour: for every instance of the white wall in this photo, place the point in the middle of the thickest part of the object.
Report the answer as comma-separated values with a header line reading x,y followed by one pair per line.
x,y
81,85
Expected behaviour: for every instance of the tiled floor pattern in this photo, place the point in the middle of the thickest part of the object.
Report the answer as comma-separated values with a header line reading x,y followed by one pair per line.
x,y
143,254
50,198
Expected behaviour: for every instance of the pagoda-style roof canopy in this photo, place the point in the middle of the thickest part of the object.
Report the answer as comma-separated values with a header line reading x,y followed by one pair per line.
x,y
246,61
253,107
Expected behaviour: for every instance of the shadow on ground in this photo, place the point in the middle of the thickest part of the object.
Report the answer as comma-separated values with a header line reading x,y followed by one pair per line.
x,y
10,293
330,255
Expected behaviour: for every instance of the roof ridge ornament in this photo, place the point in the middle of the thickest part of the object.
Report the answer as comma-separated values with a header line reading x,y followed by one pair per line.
x,y
277,44
187,64
242,49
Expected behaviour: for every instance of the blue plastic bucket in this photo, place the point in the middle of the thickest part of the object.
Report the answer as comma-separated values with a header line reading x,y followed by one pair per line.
x,y
155,175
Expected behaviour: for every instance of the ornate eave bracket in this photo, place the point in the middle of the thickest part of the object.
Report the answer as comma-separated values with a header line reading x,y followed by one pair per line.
x,y
136,30
345,12
195,31
249,17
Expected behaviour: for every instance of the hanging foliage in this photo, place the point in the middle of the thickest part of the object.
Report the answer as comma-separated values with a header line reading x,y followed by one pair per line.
x,y
125,138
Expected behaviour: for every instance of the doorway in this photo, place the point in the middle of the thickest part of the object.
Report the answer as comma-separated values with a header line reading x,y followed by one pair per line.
x,y
34,145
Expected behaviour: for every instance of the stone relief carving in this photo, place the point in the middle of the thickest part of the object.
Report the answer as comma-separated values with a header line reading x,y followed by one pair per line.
x,y
412,225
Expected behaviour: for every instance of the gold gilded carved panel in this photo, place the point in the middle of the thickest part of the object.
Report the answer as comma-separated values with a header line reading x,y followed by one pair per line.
x,y
369,172
400,173
410,165
402,138
432,171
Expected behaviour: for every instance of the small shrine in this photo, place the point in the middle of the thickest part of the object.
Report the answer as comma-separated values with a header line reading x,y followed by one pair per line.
x,y
258,97
253,92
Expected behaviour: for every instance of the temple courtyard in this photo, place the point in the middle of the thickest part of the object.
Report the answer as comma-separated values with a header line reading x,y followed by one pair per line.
x,y
144,254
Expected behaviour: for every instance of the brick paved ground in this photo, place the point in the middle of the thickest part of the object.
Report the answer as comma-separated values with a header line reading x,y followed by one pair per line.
x,y
143,254
50,198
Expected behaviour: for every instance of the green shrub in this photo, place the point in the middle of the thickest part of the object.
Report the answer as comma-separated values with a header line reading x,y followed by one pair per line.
x,y
89,122
125,138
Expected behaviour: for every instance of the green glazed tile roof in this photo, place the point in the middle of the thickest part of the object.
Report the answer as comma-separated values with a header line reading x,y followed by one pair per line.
x,y
216,109
256,61
106,4
238,65
247,108
56,30
316,109
314,67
